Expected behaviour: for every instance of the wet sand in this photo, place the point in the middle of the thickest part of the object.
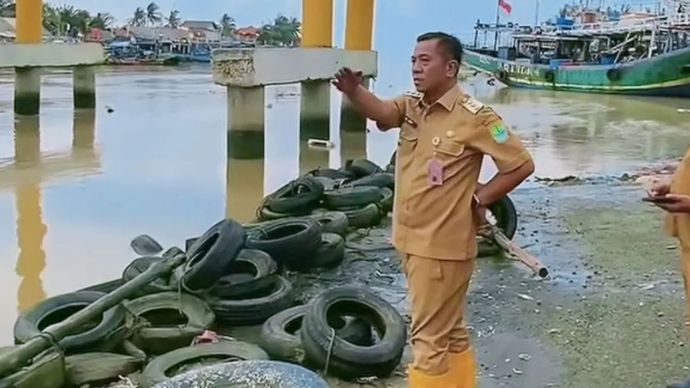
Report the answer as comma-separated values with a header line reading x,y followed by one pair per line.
x,y
158,164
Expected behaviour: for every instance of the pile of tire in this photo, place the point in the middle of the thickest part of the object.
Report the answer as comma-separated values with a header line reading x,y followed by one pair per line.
x,y
360,189
232,276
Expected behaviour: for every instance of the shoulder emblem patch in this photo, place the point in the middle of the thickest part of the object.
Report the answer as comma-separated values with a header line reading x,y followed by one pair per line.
x,y
499,132
413,94
472,105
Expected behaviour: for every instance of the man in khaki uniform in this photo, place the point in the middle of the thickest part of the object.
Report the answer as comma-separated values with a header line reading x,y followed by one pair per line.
x,y
444,135
675,199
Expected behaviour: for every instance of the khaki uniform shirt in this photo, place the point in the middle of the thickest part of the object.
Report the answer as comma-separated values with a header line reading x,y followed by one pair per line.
x,y
678,225
437,221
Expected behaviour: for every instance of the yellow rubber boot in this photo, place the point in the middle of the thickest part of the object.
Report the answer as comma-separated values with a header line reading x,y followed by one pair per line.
x,y
462,369
418,379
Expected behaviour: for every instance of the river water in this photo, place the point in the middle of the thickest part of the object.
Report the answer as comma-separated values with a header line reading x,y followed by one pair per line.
x,y
76,188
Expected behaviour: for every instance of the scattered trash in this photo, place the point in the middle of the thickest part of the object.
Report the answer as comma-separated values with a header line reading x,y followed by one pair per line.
x,y
524,357
554,331
682,110
647,287
319,143
109,109
517,371
525,297
660,314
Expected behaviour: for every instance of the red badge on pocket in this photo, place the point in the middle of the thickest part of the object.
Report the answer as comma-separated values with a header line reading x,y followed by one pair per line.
x,y
435,173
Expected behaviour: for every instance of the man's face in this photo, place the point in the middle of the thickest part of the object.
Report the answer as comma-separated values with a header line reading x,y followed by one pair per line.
x,y
431,67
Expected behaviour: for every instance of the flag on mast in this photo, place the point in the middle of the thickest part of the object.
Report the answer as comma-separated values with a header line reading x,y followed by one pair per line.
x,y
505,6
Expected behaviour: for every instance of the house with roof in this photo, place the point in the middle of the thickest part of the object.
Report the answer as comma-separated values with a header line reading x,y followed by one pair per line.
x,y
8,30
204,31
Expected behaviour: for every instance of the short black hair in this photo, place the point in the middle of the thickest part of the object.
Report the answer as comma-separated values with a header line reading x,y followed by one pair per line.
x,y
448,42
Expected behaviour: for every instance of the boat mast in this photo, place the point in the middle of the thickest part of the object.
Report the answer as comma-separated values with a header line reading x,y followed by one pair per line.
x,y
498,18
536,15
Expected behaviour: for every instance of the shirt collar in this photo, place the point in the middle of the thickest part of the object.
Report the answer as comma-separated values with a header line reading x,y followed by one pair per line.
x,y
447,101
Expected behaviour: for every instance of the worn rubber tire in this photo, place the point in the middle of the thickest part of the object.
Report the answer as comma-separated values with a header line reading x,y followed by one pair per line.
x,y
380,180
101,337
141,264
298,197
328,183
212,253
157,370
248,374
348,197
171,252
258,263
105,287
506,216
145,245
332,222
348,360
330,173
330,253
47,370
96,368
280,333
164,338
365,217
266,214
289,242
362,167
387,201
245,312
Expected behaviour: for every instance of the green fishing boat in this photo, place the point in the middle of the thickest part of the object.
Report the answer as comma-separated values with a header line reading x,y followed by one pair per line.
x,y
639,54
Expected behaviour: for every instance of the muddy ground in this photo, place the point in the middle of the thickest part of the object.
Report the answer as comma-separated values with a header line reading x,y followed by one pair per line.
x,y
611,313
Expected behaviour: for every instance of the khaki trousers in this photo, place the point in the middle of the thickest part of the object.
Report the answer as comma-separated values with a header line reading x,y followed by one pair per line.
x,y
685,269
437,290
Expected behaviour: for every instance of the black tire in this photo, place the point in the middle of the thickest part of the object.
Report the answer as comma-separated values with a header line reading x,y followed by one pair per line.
x,y
391,163
145,245
330,253
502,75
47,370
380,180
362,167
245,312
161,368
366,217
189,242
614,75
506,216
331,173
348,360
141,264
103,336
261,269
332,221
105,287
172,252
166,335
266,214
280,333
98,368
388,200
212,253
328,183
248,374
348,197
298,197
288,242
549,76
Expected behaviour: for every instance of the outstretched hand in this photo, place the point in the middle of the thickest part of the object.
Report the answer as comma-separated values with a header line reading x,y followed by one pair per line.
x,y
347,81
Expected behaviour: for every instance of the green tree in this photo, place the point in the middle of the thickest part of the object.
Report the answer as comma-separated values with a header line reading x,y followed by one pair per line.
x,y
139,18
153,15
283,32
173,19
228,25
102,20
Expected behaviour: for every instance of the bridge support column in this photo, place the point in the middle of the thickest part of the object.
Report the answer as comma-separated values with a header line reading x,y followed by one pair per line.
x,y
84,84
27,91
246,122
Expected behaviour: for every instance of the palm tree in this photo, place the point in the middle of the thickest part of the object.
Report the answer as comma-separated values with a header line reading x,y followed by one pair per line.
x,y
51,19
139,18
153,14
228,24
7,8
102,20
174,19
286,30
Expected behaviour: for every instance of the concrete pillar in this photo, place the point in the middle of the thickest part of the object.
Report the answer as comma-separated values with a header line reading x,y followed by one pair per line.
x,y
359,28
315,109
84,84
27,91
350,119
29,21
27,140
246,123
245,188
312,158
317,23
353,145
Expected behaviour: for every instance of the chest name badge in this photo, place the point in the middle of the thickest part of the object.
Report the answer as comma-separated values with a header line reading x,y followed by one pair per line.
x,y
435,172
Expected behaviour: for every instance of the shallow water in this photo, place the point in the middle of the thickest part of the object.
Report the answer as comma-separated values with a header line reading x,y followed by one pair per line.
x,y
76,188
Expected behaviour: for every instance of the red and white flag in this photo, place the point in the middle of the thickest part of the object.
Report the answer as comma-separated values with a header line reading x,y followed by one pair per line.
x,y
505,6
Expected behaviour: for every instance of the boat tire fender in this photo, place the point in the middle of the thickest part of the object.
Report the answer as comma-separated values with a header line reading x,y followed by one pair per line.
x,y
550,76
614,74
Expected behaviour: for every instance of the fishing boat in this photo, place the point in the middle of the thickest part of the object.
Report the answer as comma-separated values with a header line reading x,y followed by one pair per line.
x,y
637,53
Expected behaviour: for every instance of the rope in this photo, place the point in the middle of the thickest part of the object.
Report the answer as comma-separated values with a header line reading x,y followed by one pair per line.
x,y
51,340
330,351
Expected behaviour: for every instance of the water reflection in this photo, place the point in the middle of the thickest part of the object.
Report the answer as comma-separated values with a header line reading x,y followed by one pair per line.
x,y
34,169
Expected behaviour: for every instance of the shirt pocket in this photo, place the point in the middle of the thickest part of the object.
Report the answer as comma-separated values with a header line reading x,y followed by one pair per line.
x,y
407,141
452,155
